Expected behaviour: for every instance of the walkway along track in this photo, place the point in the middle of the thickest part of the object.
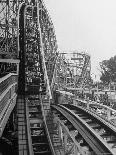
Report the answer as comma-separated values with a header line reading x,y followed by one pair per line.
x,y
99,137
23,143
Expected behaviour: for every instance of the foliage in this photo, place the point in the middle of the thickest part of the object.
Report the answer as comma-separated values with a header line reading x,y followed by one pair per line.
x,y
108,70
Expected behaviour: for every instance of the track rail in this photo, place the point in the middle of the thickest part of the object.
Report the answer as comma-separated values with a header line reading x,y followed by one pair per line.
x,y
36,128
100,137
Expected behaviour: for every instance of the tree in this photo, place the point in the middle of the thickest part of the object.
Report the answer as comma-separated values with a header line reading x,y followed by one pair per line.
x,y
108,70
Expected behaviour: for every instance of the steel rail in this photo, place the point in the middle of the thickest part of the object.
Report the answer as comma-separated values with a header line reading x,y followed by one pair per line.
x,y
46,126
108,137
37,136
95,142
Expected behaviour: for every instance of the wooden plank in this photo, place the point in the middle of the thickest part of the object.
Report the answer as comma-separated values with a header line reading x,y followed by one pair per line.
x,y
22,138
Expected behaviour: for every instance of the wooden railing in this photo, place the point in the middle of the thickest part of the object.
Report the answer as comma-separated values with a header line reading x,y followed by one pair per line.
x,y
103,111
43,59
8,94
7,81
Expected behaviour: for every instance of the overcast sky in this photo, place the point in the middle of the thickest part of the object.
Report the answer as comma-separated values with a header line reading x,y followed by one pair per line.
x,y
85,25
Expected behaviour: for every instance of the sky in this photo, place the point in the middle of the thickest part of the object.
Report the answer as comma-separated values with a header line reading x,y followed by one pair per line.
x,y
85,25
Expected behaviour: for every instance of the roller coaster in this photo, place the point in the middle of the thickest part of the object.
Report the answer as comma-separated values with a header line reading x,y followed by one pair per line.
x,y
38,114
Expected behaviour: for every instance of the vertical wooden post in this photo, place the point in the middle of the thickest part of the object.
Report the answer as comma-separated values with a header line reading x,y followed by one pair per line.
x,y
65,142
108,114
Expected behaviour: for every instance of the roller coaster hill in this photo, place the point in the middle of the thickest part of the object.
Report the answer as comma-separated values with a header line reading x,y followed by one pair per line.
x,y
43,110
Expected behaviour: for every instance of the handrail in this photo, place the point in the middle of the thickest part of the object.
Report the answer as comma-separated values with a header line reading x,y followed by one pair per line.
x,y
96,103
42,53
8,108
6,91
7,81
47,131
6,77
8,85
4,109
110,113
16,61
